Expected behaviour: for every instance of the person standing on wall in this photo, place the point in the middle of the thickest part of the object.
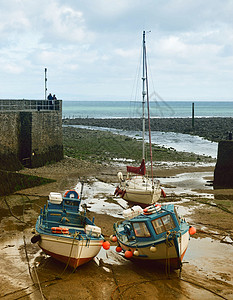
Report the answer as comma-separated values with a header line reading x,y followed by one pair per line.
x,y
54,101
50,99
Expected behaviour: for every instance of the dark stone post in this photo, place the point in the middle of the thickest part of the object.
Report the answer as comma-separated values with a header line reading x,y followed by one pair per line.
x,y
223,173
193,115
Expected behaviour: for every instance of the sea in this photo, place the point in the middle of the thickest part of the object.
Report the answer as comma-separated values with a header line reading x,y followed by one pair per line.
x,y
158,109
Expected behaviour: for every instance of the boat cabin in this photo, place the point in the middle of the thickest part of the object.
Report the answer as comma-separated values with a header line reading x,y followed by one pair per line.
x,y
150,225
70,201
64,211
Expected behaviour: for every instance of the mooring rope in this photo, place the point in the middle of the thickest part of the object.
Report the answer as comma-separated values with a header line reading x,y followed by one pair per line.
x,y
13,215
38,282
72,245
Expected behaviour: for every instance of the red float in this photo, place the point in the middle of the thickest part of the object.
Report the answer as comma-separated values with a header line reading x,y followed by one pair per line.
x,y
128,254
114,238
118,249
192,230
106,245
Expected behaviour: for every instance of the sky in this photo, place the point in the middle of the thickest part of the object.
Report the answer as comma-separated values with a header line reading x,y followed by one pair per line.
x,y
92,48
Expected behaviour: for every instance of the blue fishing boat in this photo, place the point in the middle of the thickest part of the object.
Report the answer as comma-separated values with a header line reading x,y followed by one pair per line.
x,y
64,232
155,233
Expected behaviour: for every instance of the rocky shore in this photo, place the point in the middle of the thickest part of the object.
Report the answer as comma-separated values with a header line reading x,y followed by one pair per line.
x,y
213,129
105,147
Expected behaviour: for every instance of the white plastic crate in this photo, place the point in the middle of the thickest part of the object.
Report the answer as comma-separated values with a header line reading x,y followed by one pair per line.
x,y
55,198
93,230
132,212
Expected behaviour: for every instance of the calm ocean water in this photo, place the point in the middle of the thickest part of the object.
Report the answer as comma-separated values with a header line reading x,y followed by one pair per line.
x,y
161,109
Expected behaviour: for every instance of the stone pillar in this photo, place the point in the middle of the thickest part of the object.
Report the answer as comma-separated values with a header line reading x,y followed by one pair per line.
x,y
223,173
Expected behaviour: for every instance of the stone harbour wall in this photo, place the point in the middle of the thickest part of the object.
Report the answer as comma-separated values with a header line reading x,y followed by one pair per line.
x,y
9,141
30,133
47,143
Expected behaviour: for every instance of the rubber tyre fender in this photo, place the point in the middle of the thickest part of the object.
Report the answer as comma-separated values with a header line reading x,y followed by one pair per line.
x,y
36,238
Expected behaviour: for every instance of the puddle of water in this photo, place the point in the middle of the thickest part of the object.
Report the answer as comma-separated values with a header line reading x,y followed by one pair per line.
x,y
13,262
96,194
211,257
110,257
207,255
186,182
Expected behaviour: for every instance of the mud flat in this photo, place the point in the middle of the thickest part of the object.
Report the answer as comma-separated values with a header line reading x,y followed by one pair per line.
x,y
26,273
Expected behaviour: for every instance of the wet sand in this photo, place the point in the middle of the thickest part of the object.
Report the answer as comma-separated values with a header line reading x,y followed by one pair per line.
x,y
27,273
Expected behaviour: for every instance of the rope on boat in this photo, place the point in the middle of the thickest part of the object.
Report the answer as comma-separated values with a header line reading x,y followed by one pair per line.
x,y
168,267
72,245
80,252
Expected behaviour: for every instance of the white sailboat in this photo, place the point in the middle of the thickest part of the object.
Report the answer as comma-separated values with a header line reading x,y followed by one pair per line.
x,y
138,187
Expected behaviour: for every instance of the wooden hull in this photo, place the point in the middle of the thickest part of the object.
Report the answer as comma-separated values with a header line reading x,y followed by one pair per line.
x,y
166,253
70,251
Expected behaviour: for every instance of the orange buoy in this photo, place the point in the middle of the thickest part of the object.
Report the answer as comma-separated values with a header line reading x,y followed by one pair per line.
x,y
192,230
128,254
118,249
113,238
106,245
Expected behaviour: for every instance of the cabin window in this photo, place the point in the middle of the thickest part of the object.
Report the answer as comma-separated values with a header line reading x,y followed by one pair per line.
x,y
141,229
163,224
168,222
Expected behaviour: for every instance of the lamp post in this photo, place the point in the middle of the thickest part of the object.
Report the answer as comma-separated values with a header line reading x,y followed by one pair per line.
x,y
45,83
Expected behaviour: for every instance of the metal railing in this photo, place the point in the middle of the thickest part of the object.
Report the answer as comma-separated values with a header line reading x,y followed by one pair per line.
x,y
29,105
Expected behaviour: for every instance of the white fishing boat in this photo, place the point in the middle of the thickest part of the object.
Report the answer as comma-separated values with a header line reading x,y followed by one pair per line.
x,y
137,186
65,233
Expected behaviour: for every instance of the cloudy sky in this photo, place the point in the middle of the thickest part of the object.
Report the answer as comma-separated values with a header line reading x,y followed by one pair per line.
x,y
92,48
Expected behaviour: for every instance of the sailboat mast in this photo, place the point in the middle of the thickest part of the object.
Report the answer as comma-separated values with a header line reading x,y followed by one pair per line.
x,y
143,93
147,97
